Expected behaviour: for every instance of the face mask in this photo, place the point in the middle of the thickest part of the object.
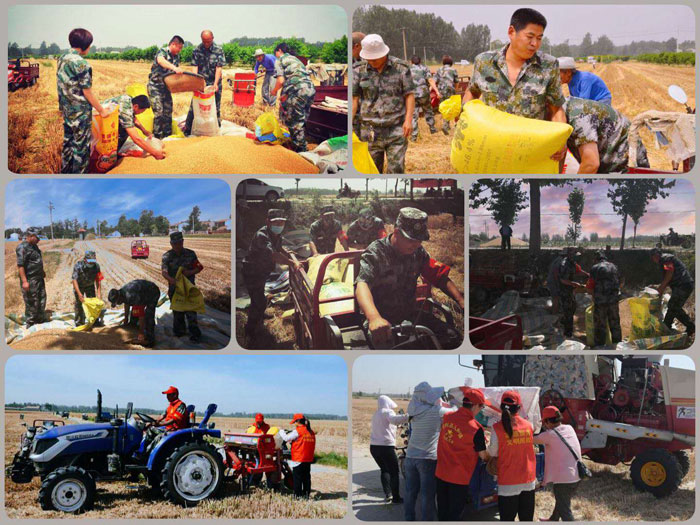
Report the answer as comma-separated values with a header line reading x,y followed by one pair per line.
x,y
276,229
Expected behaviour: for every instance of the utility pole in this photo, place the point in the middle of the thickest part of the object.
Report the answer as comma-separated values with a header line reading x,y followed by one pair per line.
x,y
403,32
51,208
425,56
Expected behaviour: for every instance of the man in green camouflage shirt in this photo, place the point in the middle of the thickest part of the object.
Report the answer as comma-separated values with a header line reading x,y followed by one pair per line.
x,y
386,283
129,125
366,229
446,79
298,94
599,141
209,59
325,231
30,267
165,61
75,101
518,79
382,97
424,84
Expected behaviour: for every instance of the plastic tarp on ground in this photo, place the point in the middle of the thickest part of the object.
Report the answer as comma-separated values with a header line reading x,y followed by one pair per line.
x,y
215,326
330,156
568,374
534,314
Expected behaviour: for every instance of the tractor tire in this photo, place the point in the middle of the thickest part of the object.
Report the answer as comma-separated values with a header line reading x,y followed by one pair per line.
x,y
192,473
67,489
271,196
686,244
657,471
683,458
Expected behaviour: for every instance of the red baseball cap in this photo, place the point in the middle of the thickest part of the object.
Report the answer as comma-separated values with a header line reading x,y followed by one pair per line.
x,y
172,390
550,412
296,418
474,396
511,397
259,418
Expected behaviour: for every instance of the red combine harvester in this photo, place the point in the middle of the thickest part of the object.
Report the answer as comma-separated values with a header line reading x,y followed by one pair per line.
x,y
644,413
327,122
21,73
139,249
502,334
247,455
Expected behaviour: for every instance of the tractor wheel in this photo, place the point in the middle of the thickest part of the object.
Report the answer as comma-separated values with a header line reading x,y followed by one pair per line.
x,y
686,244
22,470
67,489
684,461
192,473
657,471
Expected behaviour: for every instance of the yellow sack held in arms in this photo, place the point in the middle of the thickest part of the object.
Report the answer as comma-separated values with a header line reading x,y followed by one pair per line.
x,y
489,141
187,297
590,330
644,323
105,140
146,118
92,306
361,158
451,108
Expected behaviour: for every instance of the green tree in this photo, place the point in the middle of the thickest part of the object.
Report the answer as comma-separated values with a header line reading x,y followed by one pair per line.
x,y
193,219
576,200
335,52
146,221
123,225
586,47
162,225
506,201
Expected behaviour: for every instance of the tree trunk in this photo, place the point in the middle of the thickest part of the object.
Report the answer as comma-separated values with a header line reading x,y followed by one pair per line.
x,y
535,239
396,188
634,237
411,189
366,189
624,227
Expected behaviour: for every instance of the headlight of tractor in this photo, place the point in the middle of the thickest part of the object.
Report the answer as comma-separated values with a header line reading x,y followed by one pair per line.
x,y
42,445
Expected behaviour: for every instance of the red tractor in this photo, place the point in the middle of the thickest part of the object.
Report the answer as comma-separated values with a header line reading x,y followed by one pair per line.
x,y
642,413
249,455
21,73
139,249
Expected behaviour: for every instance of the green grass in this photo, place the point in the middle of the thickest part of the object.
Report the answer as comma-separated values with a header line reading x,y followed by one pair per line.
x,y
47,64
331,459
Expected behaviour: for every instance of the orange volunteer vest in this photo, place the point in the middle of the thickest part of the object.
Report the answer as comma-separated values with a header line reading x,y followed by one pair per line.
x,y
304,446
180,420
516,455
457,458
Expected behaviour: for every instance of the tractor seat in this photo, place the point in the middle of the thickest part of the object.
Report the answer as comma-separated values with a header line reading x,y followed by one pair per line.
x,y
188,414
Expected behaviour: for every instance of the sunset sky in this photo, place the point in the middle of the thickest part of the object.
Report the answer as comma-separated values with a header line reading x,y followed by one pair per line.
x,y
677,211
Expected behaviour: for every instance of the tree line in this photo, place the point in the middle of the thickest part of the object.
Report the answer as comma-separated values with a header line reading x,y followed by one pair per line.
x,y
506,198
430,36
236,51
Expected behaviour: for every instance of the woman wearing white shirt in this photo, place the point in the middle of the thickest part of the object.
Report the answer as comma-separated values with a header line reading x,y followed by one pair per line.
x,y
382,446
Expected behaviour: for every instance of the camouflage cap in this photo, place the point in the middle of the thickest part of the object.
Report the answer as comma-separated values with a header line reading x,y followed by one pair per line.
x,y
600,254
31,231
413,224
366,213
275,214
327,209
176,237
654,251
90,256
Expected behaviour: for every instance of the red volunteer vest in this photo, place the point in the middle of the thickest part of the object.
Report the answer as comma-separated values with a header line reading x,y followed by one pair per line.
x,y
516,455
457,458
304,446
179,419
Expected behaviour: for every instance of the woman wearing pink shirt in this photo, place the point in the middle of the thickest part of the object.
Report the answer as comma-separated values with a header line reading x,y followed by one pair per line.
x,y
559,463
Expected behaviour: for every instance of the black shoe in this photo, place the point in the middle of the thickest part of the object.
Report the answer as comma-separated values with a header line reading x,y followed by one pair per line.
x,y
99,323
397,500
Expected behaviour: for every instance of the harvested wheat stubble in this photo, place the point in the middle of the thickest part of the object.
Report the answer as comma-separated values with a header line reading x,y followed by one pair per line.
x,y
107,338
217,155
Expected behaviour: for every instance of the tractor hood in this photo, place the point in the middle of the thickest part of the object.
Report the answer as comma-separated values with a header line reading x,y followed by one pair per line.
x,y
84,431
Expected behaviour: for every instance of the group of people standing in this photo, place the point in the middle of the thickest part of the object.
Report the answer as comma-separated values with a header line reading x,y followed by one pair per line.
x,y
448,441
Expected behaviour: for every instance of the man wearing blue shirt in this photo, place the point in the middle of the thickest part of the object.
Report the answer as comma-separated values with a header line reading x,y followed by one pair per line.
x,y
583,84
268,62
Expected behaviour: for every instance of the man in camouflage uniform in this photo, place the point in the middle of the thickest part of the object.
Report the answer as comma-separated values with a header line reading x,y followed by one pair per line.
x,y
209,59
325,231
387,280
599,141
424,84
87,279
264,253
366,229
383,101
180,257
682,284
140,299
165,61
297,95
75,101
446,79
129,125
518,79
30,266
604,285
357,38
568,269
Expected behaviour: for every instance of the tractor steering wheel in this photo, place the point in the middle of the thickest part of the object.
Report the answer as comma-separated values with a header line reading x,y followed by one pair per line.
x,y
145,417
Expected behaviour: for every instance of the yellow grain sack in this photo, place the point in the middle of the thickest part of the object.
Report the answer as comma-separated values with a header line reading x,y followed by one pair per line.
x,y
644,323
146,118
451,108
186,297
92,306
490,141
105,140
590,329
361,158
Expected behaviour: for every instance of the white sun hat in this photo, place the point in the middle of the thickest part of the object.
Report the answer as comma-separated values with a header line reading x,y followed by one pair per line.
x,y
566,63
258,52
373,47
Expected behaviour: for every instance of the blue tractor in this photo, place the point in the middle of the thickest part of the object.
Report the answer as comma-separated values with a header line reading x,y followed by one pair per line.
x,y
182,465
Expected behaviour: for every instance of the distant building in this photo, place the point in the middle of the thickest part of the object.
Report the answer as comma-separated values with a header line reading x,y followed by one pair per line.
x,y
81,234
115,233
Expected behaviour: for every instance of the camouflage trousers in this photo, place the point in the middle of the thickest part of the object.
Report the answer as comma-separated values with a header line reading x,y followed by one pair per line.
x,y
183,322
606,316
190,113
424,104
162,105
567,303
77,133
675,310
294,112
34,301
444,95
389,141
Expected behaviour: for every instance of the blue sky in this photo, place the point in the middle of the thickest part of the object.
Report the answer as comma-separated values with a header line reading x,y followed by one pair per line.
x,y
145,25
27,200
273,383
396,374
